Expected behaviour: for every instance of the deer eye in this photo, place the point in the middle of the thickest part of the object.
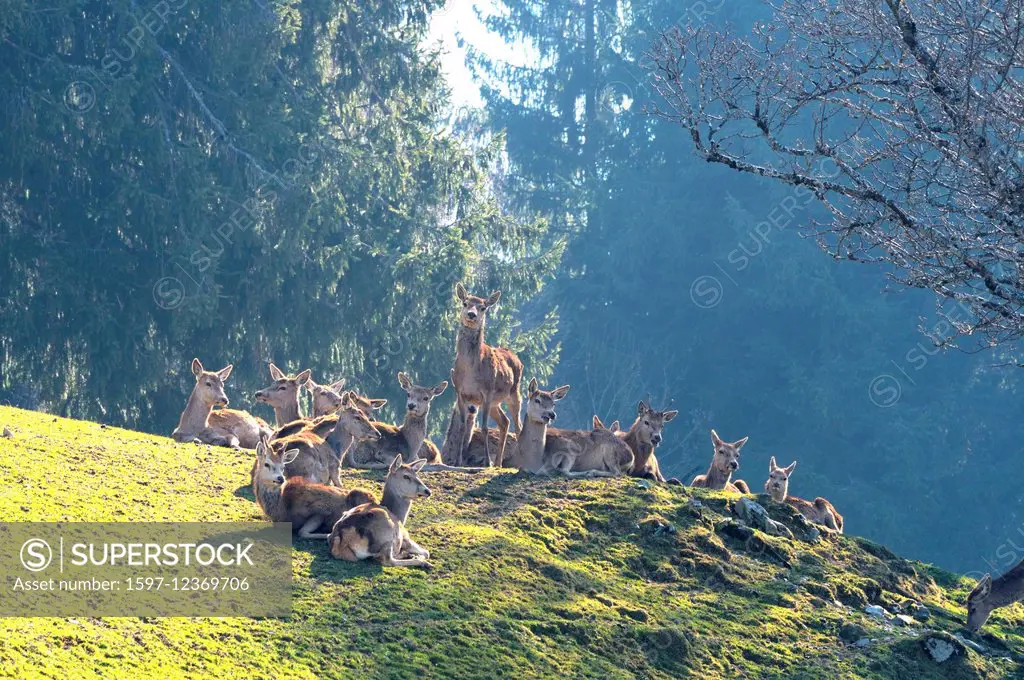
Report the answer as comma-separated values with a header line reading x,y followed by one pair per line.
x,y
266,465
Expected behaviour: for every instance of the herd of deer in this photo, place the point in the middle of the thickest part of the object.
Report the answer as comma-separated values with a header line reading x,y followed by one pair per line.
x,y
295,476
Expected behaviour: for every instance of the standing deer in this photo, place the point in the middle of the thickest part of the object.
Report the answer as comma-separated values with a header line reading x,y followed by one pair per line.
x,y
990,595
283,395
307,505
377,530
487,376
819,512
200,423
725,462
644,437
409,441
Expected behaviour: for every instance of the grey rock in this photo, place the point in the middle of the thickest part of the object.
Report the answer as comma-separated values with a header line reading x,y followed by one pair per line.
x,y
922,613
756,516
876,611
904,620
851,632
939,649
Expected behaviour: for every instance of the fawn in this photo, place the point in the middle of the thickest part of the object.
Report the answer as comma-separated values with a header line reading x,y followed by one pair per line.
x,y
409,441
990,595
819,512
200,423
487,376
307,505
323,443
598,453
644,437
283,395
725,461
377,530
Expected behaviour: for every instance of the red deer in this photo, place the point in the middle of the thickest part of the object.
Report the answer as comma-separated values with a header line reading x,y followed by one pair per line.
x,y
644,437
224,427
597,453
283,395
377,530
307,505
324,442
327,399
487,376
409,441
725,462
819,512
990,595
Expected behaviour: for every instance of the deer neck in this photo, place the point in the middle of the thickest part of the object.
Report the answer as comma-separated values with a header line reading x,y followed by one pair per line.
x,y
414,431
532,440
779,495
642,452
340,441
288,413
717,478
470,342
268,496
396,505
196,415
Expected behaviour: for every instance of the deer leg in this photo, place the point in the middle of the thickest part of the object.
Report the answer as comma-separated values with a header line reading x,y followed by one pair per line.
x,y
485,428
389,559
514,406
411,547
499,417
314,522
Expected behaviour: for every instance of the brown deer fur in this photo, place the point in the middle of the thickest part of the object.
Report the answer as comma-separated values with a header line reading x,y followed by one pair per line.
x,y
199,422
308,505
644,437
283,395
487,376
990,595
327,399
598,453
820,511
409,441
324,443
725,461
377,530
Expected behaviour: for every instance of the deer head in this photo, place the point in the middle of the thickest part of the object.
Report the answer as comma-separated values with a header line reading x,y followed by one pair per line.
x,y
777,485
979,604
270,464
650,423
403,480
540,404
418,398
474,309
353,422
727,455
284,392
326,398
210,384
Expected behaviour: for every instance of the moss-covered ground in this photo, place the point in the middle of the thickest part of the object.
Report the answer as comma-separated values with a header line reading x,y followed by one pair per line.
x,y
533,578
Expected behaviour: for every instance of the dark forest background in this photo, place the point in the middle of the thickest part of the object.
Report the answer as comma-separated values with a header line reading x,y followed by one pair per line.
x,y
284,181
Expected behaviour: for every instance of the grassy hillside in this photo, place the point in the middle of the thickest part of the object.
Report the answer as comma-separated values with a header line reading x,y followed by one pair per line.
x,y
534,578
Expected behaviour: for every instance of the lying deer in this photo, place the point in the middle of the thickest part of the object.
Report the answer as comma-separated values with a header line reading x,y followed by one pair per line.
x,y
283,395
324,443
644,437
725,462
200,423
377,530
327,399
820,511
487,376
597,453
307,505
990,595
408,441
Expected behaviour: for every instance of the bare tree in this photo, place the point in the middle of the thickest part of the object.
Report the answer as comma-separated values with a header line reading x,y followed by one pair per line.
x,y
904,118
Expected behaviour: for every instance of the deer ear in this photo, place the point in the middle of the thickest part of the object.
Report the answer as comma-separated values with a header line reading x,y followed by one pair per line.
x,y
197,368
261,447
338,385
669,415
418,464
493,298
643,408
439,390
376,404
403,380
533,387
740,442
789,468
715,439
982,590
289,456
772,465
276,372
614,427
304,376
225,372
395,464
460,292
598,425
559,393
311,385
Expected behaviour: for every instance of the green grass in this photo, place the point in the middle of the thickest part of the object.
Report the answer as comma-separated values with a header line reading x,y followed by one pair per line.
x,y
533,578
